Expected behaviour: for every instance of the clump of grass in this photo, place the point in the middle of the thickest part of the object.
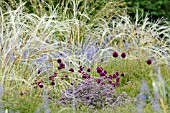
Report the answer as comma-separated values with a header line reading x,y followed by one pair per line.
x,y
140,39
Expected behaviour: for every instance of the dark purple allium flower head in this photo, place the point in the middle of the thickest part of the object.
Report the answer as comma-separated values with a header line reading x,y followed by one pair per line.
x,y
115,54
51,77
62,78
105,71
89,77
117,84
40,84
66,75
72,83
149,61
59,60
71,70
123,55
117,79
113,84
62,65
79,71
102,74
110,76
88,70
99,69
102,83
122,74
99,81
84,76
114,76
39,71
117,73
81,68
110,81
59,68
55,74
52,83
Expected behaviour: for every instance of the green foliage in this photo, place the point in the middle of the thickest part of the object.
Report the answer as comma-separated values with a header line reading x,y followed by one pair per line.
x,y
157,8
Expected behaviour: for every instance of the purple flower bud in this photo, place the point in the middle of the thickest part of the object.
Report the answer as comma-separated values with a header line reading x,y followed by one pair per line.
x,y
88,76
59,60
102,83
59,68
55,74
122,74
113,84
66,75
117,79
72,83
115,54
71,70
88,70
40,84
117,84
52,83
149,61
99,81
102,74
110,76
81,68
84,76
114,76
62,65
110,81
105,77
62,78
51,77
83,72
105,71
123,55
39,71
99,69
79,71
117,73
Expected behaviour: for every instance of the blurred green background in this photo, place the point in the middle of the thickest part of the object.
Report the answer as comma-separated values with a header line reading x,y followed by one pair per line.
x,y
156,8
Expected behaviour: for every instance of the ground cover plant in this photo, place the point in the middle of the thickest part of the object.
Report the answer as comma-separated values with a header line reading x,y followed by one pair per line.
x,y
54,64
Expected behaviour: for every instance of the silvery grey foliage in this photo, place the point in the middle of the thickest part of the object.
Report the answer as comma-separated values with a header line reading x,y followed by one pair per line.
x,y
126,45
142,96
1,103
145,95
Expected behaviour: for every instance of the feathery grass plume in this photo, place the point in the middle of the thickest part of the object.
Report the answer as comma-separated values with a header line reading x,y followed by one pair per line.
x,y
142,37
28,39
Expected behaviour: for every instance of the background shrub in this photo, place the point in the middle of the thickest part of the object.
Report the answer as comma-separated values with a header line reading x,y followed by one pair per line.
x,y
157,8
